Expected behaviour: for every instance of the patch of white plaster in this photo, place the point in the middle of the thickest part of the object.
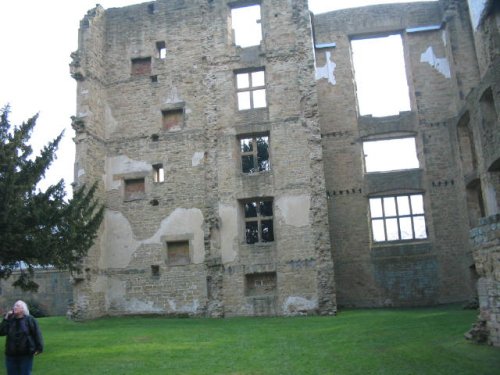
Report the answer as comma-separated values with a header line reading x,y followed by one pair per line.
x,y
172,97
119,165
294,210
439,63
138,306
327,71
120,243
111,123
80,173
197,158
476,9
294,305
228,232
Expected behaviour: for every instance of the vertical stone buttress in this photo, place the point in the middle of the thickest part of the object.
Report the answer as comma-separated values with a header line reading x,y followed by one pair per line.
x,y
88,70
213,259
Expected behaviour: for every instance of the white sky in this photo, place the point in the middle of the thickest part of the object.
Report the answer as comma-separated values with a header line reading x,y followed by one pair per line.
x,y
37,38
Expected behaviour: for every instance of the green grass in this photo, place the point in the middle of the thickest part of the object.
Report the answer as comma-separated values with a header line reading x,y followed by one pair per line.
x,y
410,341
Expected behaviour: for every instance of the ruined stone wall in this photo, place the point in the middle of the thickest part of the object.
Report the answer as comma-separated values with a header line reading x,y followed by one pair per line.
x,y
486,242
412,272
142,111
53,297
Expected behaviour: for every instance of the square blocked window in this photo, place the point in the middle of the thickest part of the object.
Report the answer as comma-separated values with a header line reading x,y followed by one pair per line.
x,y
178,253
172,119
134,189
141,66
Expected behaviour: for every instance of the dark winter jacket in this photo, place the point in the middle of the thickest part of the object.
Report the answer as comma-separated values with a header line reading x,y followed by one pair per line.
x,y
23,336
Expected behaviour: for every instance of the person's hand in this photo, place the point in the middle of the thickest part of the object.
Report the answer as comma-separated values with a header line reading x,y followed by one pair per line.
x,y
36,353
9,314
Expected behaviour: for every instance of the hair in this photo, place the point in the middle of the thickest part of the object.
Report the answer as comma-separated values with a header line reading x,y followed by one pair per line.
x,y
24,306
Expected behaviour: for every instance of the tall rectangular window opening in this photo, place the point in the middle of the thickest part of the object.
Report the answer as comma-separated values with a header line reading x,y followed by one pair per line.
x,y
245,22
161,50
380,74
390,155
255,154
158,173
259,221
398,218
251,90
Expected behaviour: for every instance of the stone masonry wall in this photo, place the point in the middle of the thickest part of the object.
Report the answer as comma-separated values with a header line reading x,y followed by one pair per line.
x,y
486,242
122,138
435,270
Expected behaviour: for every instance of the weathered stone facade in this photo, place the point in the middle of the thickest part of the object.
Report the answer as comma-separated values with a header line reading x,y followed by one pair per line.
x,y
191,229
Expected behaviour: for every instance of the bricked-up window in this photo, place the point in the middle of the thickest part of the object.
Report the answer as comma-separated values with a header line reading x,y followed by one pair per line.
x,y
380,73
251,90
178,253
245,22
390,155
141,66
259,221
134,189
161,50
255,154
398,218
260,284
158,173
172,119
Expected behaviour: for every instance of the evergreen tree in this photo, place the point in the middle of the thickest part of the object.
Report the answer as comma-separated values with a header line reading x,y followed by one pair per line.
x,y
39,229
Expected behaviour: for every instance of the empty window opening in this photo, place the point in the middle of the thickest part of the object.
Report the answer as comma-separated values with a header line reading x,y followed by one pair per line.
x,y
141,66
251,90
245,22
134,189
161,50
158,173
155,270
172,119
151,8
154,78
178,253
255,154
259,221
390,155
489,114
398,218
380,73
260,284
475,203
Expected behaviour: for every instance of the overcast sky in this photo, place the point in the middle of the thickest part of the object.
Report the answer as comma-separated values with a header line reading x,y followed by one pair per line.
x,y
37,38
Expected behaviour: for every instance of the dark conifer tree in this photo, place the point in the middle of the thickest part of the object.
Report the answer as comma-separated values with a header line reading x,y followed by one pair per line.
x,y
39,229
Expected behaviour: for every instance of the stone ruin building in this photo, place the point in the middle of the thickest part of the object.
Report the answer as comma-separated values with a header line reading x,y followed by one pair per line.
x,y
241,176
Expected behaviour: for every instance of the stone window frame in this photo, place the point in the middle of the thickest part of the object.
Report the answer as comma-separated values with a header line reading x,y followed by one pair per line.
x,y
254,153
175,239
173,109
409,164
260,219
233,32
141,66
251,89
158,173
391,223
161,50
128,195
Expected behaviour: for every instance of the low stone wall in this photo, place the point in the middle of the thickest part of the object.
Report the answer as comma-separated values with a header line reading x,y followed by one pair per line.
x,y
54,294
486,246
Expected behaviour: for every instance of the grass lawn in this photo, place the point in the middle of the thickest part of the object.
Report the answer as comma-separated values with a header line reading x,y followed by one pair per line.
x,y
393,341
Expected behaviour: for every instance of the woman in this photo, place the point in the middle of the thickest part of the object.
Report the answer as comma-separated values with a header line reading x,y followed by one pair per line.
x,y
24,339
